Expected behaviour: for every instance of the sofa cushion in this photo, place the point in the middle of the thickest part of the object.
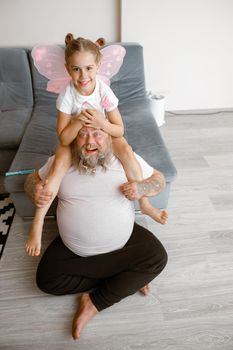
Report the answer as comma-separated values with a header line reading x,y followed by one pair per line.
x,y
15,79
6,156
12,127
40,137
38,143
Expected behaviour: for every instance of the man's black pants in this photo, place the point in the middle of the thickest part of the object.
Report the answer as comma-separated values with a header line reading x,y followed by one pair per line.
x,y
111,276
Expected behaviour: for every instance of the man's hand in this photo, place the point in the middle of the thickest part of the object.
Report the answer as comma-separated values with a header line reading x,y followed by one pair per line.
x,y
93,118
41,195
36,190
130,191
149,187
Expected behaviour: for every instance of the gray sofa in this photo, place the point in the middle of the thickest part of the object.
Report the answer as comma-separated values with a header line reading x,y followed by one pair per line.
x,y
29,115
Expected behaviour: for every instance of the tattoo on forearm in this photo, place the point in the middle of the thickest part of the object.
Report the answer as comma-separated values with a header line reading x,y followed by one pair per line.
x,y
151,186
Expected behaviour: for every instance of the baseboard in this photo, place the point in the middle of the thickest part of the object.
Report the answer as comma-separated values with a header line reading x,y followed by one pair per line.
x,y
199,111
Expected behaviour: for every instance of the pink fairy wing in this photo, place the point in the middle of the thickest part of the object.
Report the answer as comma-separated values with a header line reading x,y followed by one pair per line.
x,y
50,62
112,59
57,85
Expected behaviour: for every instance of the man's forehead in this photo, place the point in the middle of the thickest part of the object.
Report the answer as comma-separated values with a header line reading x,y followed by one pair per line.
x,y
90,130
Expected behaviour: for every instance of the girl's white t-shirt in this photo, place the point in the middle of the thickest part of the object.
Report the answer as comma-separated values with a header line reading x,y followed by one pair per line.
x,y
70,101
93,216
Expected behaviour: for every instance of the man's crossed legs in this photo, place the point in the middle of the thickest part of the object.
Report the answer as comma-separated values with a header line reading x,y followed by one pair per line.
x,y
104,279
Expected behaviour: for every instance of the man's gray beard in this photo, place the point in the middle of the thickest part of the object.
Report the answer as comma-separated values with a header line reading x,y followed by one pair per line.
x,y
89,163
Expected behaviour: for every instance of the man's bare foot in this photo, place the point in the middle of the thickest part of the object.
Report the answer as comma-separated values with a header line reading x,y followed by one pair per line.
x,y
161,216
145,290
86,311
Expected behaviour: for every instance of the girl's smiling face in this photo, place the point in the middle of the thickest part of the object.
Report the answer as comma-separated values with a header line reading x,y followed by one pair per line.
x,y
83,68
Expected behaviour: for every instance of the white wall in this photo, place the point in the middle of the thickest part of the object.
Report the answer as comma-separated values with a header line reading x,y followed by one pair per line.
x,y
30,22
188,49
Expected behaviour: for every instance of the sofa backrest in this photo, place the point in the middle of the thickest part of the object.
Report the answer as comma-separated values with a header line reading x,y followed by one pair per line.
x,y
41,96
15,79
129,82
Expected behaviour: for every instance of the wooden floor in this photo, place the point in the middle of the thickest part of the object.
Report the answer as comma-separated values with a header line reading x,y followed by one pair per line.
x,y
191,304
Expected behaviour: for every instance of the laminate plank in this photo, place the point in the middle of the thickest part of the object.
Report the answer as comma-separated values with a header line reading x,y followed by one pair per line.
x,y
222,240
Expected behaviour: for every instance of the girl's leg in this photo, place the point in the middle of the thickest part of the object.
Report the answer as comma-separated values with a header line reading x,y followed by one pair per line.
x,y
158,215
133,171
61,164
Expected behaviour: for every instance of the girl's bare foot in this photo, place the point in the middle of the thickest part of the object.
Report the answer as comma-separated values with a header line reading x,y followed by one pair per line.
x,y
33,244
86,311
161,216
145,290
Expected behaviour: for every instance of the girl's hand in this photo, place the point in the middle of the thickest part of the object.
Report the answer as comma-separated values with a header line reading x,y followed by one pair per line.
x,y
93,118
78,120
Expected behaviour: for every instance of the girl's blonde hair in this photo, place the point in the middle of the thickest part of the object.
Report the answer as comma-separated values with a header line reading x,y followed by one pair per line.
x,y
80,44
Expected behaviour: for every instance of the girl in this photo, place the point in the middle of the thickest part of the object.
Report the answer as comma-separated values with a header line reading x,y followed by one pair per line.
x,y
75,105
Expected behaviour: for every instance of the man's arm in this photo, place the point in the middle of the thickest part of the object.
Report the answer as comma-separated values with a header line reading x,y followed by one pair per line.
x,y
152,185
34,188
149,187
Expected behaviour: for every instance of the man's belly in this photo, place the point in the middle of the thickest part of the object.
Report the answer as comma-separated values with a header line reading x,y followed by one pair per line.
x,y
89,228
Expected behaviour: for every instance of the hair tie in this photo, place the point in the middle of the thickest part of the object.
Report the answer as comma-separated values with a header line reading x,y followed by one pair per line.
x,y
100,42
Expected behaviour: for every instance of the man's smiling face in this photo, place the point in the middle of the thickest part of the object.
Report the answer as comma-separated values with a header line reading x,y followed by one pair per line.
x,y
92,147
90,140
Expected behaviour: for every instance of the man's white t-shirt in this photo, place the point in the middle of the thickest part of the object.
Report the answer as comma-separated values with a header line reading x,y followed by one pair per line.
x,y
93,216
70,101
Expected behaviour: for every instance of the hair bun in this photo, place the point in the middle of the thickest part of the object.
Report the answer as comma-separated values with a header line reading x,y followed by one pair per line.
x,y
69,37
100,42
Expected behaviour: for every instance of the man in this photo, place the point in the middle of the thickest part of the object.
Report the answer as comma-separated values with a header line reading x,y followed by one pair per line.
x,y
100,252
